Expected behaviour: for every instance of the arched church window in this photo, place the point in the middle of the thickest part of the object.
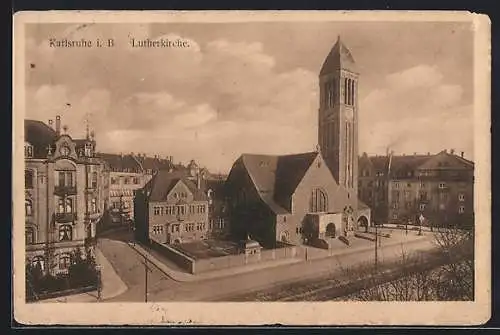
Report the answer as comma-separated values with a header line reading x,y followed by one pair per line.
x,y
318,201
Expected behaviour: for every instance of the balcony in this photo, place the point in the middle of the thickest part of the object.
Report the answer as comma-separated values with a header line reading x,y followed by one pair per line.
x,y
64,190
66,217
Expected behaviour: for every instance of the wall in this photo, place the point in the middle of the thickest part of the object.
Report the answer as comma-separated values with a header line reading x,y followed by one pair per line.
x,y
225,262
195,266
175,256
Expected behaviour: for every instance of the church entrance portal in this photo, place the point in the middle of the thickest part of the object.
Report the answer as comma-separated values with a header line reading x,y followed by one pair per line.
x,y
330,230
363,223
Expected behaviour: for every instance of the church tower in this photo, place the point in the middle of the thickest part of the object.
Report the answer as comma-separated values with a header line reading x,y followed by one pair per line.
x,y
338,116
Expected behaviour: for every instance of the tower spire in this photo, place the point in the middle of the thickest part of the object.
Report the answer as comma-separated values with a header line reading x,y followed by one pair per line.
x,y
87,126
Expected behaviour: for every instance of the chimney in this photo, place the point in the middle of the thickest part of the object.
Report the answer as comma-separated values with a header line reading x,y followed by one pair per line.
x,y
58,125
198,180
462,154
428,153
171,159
51,124
452,151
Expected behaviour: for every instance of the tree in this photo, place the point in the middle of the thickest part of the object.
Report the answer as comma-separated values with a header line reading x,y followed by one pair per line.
x,y
446,274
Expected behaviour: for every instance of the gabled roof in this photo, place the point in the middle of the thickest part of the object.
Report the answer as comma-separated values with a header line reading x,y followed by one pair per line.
x,y
402,164
447,161
163,182
339,58
277,177
154,163
40,136
120,163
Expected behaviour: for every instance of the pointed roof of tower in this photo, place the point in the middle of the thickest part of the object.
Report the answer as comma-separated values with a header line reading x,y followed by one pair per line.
x,y
339,57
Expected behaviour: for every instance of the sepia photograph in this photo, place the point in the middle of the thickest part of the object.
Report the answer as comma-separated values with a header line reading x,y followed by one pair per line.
x,y
254,164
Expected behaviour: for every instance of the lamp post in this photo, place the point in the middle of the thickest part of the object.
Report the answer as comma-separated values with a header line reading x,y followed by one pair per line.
x,y
146,270
98,269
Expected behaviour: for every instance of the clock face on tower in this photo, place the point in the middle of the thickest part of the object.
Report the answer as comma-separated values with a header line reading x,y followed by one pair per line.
x,y
349,114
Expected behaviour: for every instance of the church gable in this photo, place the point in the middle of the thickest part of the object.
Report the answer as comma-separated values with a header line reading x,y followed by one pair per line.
x,y
319,179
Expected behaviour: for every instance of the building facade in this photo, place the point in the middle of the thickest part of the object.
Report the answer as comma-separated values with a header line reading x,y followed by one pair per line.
x,y
123,175
437,187
181,206
64,198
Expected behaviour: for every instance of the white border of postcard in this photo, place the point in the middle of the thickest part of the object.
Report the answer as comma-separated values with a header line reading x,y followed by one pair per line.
x,y
259,313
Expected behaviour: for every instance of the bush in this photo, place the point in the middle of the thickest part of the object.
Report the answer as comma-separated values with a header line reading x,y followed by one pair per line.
x,y
81,273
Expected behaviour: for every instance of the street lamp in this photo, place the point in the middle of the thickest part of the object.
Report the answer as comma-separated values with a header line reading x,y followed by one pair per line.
x,y
99,282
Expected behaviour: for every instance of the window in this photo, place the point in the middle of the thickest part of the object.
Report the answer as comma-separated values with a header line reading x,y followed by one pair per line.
x,y
69,205
94,179
64,261
156,210
93,205
422,207
28,179
136,180
114,181
28,207
175,228
28,150
461,209
38,261
461,197
318,201
423,196
396,184
395,205
407,195
65,233
60,205
30,235
442,185
443,196
408,185
395,216
127,180
422,184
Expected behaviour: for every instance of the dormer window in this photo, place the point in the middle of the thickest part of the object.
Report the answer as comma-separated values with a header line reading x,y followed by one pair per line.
x,y
28,150
88,149
65,150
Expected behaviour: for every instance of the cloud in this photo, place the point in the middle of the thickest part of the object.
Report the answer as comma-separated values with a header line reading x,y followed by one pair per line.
x,y
223,96
416,110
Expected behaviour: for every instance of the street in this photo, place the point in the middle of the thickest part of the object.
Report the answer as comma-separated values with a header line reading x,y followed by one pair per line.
x,y
128,265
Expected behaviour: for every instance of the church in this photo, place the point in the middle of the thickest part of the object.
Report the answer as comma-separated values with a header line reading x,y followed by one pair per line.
x,y
307,197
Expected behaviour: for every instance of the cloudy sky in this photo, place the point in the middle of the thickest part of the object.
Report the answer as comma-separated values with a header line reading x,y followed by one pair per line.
x,y
252,87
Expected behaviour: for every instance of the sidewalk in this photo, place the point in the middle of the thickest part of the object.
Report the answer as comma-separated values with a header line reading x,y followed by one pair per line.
x,y
188,277
112,285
